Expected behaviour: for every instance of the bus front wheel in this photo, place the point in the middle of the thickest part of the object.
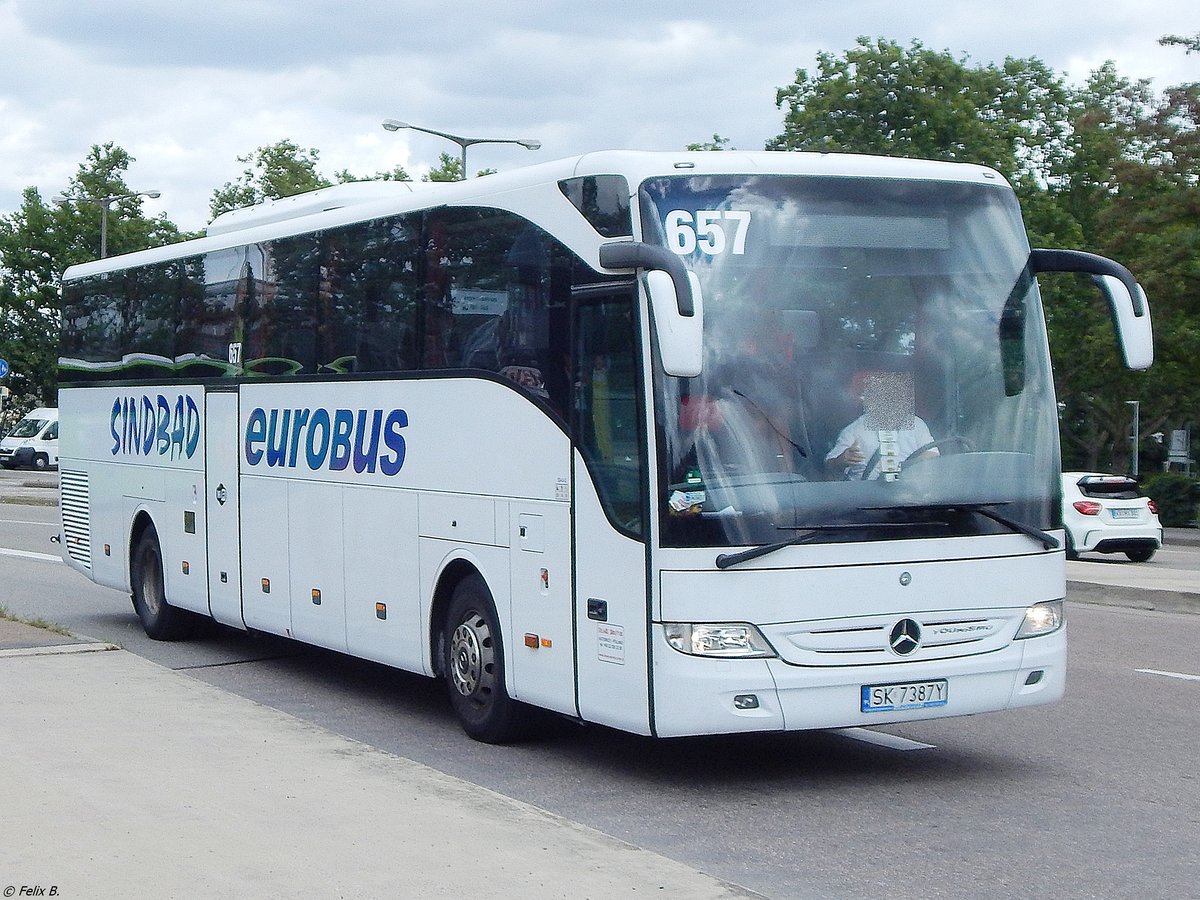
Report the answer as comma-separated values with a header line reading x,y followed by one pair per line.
x,y
161,621
474,667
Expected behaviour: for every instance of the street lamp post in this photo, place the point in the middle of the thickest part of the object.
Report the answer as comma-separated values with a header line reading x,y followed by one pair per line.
x,y
463,142
105,203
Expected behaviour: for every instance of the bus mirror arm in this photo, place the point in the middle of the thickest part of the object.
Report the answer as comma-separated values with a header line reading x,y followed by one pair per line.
x,y
1126,299
675,300
636,255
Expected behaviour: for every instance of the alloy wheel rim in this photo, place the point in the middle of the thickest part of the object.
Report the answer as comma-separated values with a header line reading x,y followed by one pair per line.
x,y
471,656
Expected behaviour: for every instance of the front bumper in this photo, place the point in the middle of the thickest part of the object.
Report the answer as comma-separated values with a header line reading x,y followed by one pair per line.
x,y
13,459
694,695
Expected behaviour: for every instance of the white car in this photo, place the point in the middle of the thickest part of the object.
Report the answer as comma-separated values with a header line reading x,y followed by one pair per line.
x,y
1108,514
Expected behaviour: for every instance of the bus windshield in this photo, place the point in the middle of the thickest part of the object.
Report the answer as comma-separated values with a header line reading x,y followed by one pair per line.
x,y
875,362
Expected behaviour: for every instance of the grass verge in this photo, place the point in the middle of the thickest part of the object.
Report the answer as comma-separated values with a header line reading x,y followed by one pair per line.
x,y
6,613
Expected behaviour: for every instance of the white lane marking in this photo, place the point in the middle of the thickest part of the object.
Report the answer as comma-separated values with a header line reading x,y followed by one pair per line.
x,y
25,522
29,554
879,738
1181,675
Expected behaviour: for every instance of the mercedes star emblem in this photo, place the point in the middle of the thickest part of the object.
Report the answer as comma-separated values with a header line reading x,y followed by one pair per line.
x,y
905,637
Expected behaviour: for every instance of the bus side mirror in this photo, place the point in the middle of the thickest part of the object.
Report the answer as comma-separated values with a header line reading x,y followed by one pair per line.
x,y
680,337
1126,299
673,293
1133,328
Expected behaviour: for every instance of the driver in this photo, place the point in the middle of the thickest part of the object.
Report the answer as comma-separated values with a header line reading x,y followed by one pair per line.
x,y
887,433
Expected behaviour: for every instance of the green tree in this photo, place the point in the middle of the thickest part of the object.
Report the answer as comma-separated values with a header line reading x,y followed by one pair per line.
x,y
1190,44
882,98
39,241
282,169
717,143
102,175
1131,184
30,246
344,176
449,168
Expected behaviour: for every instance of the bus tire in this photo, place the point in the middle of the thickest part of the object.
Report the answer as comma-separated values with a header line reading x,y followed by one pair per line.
x,y
161,621
474,667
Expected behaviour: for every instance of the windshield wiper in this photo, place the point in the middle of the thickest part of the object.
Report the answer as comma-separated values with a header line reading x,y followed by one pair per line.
x,y
725,560
1048,541
770,424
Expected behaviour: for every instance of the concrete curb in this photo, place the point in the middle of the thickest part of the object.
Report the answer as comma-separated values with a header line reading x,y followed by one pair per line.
x,y
1132,598
1189,537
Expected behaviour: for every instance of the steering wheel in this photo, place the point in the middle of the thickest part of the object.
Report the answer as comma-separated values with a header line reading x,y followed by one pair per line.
x,y
962,442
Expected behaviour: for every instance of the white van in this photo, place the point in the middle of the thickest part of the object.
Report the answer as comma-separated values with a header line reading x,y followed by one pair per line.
x,y
33,443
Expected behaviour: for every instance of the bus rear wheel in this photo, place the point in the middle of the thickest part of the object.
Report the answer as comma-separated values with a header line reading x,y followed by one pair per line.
x,y
473,664
161,621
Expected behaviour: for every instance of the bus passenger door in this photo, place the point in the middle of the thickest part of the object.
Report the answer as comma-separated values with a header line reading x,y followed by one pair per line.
x,y
608,492
221,454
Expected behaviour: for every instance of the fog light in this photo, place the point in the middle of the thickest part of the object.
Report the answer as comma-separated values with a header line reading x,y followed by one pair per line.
x,y
1034,677
745,701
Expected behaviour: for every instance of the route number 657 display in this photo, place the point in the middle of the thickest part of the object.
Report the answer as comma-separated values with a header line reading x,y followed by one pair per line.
x,y
712,231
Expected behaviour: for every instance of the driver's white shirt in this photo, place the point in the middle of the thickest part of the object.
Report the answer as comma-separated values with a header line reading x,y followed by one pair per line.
x,y
907,442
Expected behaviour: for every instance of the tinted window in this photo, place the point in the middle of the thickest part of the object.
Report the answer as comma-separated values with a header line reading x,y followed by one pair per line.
x,y
371,294
90,329
604,202
126,324
608,392
497,289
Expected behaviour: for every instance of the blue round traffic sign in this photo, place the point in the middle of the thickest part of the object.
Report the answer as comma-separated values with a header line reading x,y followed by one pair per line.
x,y
3,367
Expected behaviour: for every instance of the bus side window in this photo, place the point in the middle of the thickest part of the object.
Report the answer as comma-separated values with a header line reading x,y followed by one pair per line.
x,y
608,424
90,331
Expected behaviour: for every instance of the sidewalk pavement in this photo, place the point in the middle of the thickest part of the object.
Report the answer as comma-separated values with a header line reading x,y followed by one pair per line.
x,y
126,779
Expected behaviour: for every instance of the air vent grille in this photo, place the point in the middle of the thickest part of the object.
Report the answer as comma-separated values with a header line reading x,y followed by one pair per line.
x,y
76,516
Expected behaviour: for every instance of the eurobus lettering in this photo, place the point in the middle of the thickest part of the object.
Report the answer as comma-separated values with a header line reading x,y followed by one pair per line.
x,y
709,442
318,439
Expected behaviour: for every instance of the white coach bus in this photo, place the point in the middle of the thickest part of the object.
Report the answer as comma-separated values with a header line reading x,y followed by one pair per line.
x,y
677,443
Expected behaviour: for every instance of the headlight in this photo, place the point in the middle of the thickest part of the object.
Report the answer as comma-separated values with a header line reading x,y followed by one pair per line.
x,y
1042,618
730,640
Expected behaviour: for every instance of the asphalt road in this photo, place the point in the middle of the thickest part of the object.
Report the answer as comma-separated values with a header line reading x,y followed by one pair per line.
x,y
1095,797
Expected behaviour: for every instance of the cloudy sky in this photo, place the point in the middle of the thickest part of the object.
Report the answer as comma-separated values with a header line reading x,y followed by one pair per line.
x,y
188,86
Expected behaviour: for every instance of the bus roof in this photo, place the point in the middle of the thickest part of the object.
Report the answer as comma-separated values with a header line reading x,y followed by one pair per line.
x,y
359,201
